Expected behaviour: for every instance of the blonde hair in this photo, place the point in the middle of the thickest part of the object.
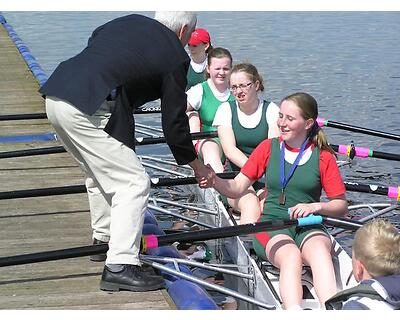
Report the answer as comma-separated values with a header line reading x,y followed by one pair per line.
x,y
251,72
309,110
377,247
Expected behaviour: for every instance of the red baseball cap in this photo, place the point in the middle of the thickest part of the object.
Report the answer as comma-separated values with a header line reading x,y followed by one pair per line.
x,y
199,36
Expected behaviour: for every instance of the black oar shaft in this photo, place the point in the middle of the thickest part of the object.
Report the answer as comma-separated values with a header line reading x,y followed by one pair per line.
x,y
226,232
370,132
33,116
23,116
195,136
350,186
366,188
31,152
385,155
177,181
54,191
53,255
43,192
192,236
163,182
60,149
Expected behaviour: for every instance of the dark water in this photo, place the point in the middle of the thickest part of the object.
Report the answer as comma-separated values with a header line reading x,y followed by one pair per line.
x,y
349,61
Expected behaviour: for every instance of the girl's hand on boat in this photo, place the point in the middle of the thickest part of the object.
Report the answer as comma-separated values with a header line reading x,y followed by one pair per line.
x,y
302,210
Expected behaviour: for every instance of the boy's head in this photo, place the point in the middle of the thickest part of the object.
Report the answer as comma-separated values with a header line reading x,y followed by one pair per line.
x,y
376,250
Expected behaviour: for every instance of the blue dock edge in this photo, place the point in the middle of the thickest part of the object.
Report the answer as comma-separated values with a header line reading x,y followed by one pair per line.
x,y
23,49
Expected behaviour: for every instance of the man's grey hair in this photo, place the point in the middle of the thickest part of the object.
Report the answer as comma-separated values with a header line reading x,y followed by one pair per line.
x,y
175,20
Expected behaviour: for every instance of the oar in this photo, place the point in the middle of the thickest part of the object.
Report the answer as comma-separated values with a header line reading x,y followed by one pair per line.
x,y
43,192
322,122
54,191
42,115
23,116
178,181
195,136
59,149
52,136
152,241
352,151
391,192
31,152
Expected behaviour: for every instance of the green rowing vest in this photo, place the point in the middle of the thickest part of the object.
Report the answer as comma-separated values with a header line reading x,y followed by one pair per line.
x,y
303,187
248,139
209,106
194,78
361,290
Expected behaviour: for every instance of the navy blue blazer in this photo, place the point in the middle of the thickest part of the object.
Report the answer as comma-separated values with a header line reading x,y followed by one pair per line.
x,y
144,61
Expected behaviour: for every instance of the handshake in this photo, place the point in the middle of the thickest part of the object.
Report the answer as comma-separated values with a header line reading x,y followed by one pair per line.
x,y
205,175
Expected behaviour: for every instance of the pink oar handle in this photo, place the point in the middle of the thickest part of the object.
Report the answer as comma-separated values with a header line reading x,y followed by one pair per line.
x,y
360,151
363,152
149,241
321,121
394,193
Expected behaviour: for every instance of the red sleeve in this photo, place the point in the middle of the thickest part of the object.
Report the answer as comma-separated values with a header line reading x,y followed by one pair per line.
x,y
255,166
331,179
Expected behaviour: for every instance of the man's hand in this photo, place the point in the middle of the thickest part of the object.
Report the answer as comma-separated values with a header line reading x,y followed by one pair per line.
x,y
205,175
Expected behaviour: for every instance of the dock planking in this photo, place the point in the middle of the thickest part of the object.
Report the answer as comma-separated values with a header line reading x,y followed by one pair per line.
x,y
18,90
47,223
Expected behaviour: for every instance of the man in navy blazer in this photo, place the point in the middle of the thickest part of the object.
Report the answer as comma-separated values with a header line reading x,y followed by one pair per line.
x,y
90,100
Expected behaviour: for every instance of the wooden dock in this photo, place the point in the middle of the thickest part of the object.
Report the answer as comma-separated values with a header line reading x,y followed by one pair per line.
x,y
47,223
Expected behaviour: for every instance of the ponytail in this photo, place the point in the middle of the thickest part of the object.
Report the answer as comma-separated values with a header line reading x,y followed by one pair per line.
x,y
319,139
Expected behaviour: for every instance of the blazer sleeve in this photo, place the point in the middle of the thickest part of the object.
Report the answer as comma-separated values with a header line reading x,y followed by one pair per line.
x,y
174,120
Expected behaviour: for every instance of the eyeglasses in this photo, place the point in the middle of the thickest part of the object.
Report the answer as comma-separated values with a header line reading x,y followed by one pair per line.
x,y
243,87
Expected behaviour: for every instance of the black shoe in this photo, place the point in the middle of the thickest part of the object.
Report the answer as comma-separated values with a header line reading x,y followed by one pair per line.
x,y
150,271
131,278
101,256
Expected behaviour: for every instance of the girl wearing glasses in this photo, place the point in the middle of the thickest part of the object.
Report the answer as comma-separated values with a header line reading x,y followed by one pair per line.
x,y
298,165
242,125
203,101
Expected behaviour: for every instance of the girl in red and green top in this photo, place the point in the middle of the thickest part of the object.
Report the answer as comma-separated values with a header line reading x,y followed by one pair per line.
x,y
298,165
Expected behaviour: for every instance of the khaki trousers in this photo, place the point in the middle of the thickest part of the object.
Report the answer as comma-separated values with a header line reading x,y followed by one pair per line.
x,y
117,184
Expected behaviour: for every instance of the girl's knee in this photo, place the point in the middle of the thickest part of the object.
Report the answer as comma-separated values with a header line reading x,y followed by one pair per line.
x,y
293,257
284,253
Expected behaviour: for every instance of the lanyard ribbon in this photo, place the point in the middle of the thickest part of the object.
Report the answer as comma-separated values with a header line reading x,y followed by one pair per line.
x,y
285,179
